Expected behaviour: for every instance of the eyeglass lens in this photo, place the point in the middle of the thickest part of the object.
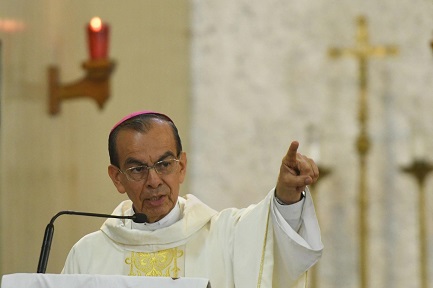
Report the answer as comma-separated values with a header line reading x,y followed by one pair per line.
x,y
163,167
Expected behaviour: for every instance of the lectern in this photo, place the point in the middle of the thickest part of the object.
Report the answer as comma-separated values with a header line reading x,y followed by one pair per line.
x,y
38,280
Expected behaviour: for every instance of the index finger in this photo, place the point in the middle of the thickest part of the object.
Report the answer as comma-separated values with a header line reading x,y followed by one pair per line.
x,y
292,152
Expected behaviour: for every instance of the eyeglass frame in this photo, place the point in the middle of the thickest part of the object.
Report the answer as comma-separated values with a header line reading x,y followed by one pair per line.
x,y
148,169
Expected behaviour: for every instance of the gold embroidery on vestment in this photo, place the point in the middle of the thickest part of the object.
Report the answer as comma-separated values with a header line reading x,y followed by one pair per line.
x,y
160,263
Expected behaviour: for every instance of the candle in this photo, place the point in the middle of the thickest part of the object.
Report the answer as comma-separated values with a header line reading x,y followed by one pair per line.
x,y
98,35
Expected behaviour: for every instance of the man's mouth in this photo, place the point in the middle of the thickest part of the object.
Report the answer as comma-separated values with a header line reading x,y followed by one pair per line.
x,y
156,200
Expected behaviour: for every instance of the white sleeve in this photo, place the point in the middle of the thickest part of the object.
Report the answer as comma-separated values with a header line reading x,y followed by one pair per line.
x,y
298,220
295,250
291,213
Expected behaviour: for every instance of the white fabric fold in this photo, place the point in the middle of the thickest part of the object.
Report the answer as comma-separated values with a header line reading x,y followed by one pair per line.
x,y
226,247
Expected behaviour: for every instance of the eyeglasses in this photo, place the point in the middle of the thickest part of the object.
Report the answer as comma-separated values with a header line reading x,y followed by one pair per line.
x,y
141,172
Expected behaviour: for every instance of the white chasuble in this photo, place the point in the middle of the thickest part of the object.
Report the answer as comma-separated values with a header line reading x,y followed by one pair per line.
x,y
243,248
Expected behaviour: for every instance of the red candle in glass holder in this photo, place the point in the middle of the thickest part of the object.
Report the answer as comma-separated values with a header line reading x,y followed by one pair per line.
x,y
98,36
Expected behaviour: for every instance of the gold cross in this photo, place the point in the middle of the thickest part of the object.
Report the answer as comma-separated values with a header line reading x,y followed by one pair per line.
x,y
362,52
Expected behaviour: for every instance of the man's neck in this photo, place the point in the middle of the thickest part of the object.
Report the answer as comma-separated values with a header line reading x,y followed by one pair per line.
x,y
172,217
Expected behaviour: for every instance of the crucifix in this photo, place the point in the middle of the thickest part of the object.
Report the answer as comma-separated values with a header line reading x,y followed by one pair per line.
x,y
362,52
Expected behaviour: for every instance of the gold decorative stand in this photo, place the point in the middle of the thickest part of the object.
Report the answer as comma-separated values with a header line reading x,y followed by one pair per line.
x,y
420,170
324,172
95,84
362,52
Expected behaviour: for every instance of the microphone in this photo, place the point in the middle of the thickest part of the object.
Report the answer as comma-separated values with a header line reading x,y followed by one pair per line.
x,y
49,232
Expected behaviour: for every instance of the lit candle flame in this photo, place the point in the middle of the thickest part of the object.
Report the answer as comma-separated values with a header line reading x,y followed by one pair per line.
x,y
96,24
11,25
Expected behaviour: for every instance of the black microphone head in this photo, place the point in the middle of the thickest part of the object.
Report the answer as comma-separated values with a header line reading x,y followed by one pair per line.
x,y
139,218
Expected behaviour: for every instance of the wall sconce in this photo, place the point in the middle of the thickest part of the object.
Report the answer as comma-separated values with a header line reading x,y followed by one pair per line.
x,y
96,83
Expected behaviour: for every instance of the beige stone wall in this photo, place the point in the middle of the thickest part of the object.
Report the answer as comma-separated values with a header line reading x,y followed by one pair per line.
x,y
262,77
47,163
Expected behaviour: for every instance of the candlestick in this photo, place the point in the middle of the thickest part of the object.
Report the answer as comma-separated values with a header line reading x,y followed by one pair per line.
x,y
98,36
420,169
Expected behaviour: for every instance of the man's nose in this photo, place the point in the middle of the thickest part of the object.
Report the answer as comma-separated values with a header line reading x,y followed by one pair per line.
x,y
153,178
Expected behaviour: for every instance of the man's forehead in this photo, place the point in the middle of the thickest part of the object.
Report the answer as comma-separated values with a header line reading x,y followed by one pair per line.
x,y
158,132
158,138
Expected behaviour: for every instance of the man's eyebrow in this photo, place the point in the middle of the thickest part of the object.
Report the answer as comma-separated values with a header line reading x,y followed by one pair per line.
x,y
135,162
165,155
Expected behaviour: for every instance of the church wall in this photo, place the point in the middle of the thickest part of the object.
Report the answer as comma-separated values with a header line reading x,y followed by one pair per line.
x,y
53,163
262,77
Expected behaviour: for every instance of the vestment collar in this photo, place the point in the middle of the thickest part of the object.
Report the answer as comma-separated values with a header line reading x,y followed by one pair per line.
x,y
169,219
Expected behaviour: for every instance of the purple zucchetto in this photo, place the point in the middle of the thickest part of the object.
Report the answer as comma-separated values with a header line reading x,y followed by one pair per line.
x,y
129,116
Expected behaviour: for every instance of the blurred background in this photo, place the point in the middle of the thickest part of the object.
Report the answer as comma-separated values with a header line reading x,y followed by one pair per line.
x,y
241,79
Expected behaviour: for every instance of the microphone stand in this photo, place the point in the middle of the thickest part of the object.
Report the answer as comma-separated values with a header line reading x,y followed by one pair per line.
x,y
49,232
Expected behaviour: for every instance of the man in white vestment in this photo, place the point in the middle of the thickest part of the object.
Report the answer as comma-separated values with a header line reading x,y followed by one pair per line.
x,y
269,244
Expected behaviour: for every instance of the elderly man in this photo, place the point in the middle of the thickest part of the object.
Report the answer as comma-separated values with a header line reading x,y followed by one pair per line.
x,y
269,244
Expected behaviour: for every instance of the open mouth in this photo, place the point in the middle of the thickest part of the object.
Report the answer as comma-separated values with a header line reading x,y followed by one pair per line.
x,y
156,200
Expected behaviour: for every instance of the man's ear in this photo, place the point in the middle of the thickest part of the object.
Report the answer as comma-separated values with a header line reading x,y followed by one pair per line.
x,y
182,164
115,176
